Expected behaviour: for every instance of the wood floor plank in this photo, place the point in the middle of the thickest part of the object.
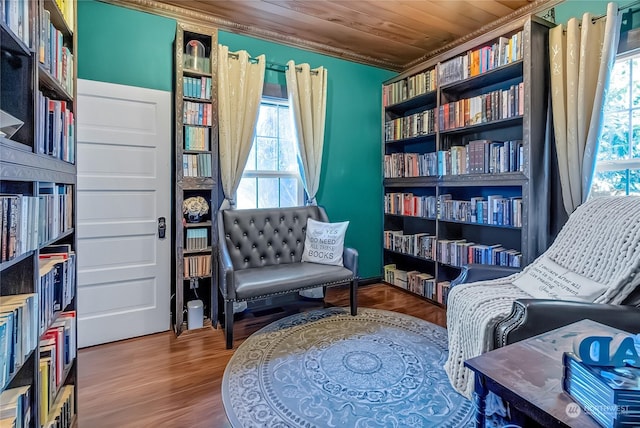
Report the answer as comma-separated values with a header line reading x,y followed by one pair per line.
x,y
163,381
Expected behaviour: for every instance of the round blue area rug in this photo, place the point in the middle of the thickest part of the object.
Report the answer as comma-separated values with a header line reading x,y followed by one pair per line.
x,y
325,368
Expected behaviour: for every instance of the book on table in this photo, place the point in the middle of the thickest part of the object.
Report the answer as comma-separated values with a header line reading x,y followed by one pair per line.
x,y
610,395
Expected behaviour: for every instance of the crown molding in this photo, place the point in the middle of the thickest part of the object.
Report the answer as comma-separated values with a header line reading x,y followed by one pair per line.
x,y
536,6
199,18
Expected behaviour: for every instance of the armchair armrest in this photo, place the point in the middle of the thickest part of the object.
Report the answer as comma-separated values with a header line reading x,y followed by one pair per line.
x,y
477,272
530,317
350,260
225,266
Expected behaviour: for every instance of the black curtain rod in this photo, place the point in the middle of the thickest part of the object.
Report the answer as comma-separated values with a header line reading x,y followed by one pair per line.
x,y
620,9
274,66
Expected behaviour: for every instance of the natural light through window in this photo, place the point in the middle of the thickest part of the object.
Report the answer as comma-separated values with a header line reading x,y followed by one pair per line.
x,y
271,177
618,164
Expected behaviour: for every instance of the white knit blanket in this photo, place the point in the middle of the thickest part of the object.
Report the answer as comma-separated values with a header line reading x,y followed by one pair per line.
x,y
600,241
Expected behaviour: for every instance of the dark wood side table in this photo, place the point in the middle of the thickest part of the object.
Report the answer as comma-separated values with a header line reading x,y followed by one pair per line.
x,y
528,376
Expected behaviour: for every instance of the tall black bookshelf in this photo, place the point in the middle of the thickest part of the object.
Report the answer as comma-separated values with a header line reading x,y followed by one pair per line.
x,y
465,159
38,216
195,173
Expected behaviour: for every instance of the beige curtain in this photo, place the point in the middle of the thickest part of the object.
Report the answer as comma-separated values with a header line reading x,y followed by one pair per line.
x,y
581,60
240,82
307,91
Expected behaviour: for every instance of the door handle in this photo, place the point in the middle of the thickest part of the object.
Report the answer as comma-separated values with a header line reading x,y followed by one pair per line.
x,y
162,227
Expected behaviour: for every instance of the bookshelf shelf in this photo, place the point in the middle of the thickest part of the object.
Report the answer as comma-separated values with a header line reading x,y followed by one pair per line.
x,y
11,42
57,19
193,180
413,103
500,75
37,201
466,166
412,140
424,259
47,81
485,126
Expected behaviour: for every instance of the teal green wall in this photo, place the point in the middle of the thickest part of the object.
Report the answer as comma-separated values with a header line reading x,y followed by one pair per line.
x,y
123,46
119,45
351,180
575,8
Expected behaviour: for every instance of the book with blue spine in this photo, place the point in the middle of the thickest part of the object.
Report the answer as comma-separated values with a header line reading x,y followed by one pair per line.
x,y
610,395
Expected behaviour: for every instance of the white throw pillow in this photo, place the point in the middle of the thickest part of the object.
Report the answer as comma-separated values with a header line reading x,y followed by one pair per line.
x,y
546,279
324,242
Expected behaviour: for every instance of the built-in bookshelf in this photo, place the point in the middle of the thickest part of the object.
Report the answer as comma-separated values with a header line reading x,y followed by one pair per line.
x,y
196,171
38,364
465,159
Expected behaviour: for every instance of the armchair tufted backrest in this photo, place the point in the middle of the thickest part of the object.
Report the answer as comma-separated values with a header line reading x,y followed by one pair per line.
x,y
269,236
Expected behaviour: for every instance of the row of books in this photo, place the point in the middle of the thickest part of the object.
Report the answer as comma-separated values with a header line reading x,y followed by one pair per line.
x,y
454,252
504,50
196,239
196,138
417,244
417,282
55,130
197,87
15,407
63,409
15,13
57,353
57,277
197,266
54,54
476,157
412,205
66,7
495,105
196,165
422,123
28,221
19,330
610,395
196,113
494,209
410,87
458,252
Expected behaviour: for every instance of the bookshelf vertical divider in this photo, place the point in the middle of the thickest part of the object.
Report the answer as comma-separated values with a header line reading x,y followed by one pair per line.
x,y
466,159
195,174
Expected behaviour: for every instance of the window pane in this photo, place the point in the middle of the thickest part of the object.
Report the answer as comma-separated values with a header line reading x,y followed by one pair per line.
x,y
288,192
635,84
246,194
267,156
251,160
635,141
267,121
288,156
634,182
615,133
268,194
618,91
286,131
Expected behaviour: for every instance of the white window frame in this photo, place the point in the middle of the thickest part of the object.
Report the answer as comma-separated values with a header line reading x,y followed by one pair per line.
x,y
254,174
630,163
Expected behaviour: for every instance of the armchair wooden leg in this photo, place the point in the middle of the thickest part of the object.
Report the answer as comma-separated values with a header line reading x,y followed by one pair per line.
x,y
354,297
228,323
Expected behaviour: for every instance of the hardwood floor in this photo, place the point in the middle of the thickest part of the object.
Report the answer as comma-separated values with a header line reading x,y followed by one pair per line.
x,y
163,381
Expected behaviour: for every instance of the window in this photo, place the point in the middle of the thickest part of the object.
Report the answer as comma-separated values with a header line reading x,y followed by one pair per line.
x,y
618,163
271,177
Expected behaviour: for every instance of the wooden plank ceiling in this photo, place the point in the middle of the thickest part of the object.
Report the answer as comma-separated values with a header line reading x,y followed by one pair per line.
x,y
384,33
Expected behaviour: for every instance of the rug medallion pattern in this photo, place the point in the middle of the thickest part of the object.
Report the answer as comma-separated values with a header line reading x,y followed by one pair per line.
x,y
325,368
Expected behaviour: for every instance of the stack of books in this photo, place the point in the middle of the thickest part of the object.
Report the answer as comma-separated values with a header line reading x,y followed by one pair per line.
x,y
610,395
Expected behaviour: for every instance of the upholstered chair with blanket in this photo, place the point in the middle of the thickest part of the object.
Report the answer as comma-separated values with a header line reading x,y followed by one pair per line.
x,y
590,270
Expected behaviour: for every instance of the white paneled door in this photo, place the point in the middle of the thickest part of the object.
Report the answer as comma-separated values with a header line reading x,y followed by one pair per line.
x,y
124,187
